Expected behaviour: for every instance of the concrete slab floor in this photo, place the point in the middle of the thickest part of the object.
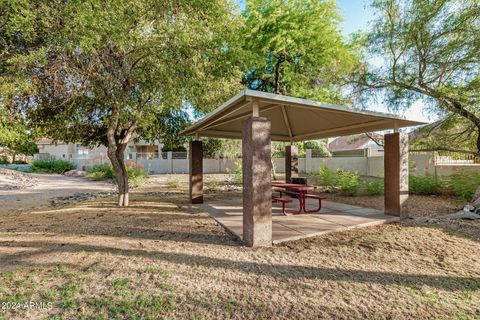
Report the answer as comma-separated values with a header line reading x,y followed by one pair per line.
x,y
333,217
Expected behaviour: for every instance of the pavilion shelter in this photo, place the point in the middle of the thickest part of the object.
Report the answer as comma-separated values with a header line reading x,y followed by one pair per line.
x,y
259,118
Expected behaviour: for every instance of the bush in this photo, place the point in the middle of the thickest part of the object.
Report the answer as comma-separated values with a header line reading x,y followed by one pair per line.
x,y
135,172
96,176
237,175
212,186
173,183
52,166
374,187
348,182
464,184
426,185
101,172
3,160
328,177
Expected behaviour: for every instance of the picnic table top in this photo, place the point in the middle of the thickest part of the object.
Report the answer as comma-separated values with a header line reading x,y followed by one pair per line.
x,y
293,186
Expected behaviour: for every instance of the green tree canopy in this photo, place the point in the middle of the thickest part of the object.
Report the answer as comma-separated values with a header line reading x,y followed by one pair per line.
x,y
25,26
428,51
224,148
109,69
296,48
15,135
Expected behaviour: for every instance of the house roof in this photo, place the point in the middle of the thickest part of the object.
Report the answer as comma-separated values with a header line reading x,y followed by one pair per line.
x,y
44,141
351,142
292,119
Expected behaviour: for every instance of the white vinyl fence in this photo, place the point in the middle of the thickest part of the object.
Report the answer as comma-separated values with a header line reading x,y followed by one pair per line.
x,y
427,163
420,164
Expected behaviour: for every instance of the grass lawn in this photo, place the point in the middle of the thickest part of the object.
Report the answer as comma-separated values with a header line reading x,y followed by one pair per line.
x,y
157,259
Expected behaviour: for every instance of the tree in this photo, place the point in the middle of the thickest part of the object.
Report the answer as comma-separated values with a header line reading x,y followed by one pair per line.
x,y
170,123
428,51
15,135
317,146
452,134
24,27
224,148
110,69
296,48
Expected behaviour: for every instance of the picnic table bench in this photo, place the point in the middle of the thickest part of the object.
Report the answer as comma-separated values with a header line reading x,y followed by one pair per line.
x,y
283,201
299,191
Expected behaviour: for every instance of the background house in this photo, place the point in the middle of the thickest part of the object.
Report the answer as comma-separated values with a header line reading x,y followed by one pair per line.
x,y
357,145
84,156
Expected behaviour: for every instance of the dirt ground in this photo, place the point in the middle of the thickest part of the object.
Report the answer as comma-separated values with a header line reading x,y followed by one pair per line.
x,y
45,188
159,258
416,205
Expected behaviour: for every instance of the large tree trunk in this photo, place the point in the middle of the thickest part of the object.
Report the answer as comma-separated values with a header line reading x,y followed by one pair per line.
x,y
276,83
115,154
115,151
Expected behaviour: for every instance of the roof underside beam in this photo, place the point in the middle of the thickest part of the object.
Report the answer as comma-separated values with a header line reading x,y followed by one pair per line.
x,y
231,134
238,117
313,135
223,116
287,122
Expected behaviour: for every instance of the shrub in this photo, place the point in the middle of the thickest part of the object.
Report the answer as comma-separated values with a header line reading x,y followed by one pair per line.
x,y
173,183
328,177
52,166
212,186
101,171
96,176
426,185
374,187
348,182
19,162
3,160
464,184
135,172
237,175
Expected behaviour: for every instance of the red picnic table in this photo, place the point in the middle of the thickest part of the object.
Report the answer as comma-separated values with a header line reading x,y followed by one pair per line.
x,y
299,190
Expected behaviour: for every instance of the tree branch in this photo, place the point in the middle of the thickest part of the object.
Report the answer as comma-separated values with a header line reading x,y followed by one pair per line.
x,y
476,154
377,141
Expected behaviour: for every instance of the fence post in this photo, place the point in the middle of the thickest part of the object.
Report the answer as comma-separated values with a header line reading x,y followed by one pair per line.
x,y
308,160
368,165
170,157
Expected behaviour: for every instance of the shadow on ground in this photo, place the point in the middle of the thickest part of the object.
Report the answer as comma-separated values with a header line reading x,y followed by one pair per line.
x,y
450,283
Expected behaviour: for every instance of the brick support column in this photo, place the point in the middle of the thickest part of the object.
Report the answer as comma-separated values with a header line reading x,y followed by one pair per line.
x,y
195,159
257,188
396,174
291,163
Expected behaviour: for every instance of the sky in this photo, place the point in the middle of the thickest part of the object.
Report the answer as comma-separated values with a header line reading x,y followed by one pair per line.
x,y
357,14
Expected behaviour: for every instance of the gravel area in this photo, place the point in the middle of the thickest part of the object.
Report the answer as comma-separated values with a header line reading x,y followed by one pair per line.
x,y
39,191
16,180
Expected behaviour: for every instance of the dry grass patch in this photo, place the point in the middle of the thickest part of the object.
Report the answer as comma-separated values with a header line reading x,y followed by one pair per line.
x,y
157,259
416,205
